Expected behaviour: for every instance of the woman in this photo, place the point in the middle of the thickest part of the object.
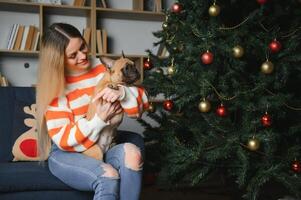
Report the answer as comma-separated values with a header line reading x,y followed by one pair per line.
x,y
65,86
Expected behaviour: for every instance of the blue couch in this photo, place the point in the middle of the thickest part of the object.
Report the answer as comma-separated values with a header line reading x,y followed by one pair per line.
x,y
28,180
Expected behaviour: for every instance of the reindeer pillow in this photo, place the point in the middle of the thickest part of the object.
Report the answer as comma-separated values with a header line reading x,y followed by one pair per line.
x,y
25,146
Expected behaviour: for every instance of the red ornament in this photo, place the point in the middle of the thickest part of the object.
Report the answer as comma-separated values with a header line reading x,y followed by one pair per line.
x,y
261,2
275,46
266,120
176,8
168,105
147,64
207,58
221,111
296,166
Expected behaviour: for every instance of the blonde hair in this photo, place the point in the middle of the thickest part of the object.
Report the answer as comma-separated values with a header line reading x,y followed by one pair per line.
x,y
51,77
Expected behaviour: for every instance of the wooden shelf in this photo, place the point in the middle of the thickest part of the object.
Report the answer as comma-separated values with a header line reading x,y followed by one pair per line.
x,y
129,14
18,53
66,10
19,7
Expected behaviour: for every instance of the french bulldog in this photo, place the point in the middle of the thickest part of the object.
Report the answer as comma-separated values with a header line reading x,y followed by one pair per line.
x,y
119,72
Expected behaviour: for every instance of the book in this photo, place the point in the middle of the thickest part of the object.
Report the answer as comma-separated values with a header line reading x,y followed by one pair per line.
x,y
35,34
29,37
103,4
158,6
138,5
87,35
76,2
25,33
11,33
19,37
149,5
99,41
36,42
104,40
13,39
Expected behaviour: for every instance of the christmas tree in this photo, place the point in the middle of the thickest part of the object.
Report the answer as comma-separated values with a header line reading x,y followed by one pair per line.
x,y
231,98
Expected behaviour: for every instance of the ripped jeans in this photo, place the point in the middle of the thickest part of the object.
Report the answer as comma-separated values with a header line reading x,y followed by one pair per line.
x,y
118,177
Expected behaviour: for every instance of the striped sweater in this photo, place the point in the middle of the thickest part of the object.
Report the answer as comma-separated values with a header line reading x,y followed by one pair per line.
x,y
65,116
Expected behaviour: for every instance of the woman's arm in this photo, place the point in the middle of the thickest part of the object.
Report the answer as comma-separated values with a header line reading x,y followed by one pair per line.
x,y
67,134
135,101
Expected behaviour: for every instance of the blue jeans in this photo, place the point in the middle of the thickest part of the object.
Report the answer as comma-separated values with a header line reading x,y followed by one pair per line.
x,y
115,178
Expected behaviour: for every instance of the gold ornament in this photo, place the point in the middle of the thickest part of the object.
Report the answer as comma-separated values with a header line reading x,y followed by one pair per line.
x,y
151,108
214,10
164,25
170,70
238,51
267,67
204,106
253,144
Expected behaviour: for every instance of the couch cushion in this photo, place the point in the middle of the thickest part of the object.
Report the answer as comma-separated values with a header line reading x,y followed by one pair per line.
x,y
24,132
28,176
6,116
12,121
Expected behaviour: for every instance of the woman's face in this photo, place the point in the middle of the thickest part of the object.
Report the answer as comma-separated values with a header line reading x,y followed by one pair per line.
x,y
76,59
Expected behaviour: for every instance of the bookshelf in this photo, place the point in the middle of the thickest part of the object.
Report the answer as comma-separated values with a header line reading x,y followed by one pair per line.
x,y
118,18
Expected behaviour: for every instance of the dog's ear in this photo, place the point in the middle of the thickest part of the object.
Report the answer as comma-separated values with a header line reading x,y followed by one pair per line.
x,y
122,54
107,61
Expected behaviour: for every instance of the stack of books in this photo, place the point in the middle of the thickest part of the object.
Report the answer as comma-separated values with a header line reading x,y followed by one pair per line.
x,y
102,41
23,38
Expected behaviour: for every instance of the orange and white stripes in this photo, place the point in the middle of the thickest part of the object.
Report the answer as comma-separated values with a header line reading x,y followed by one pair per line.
x,y
65,116
135,101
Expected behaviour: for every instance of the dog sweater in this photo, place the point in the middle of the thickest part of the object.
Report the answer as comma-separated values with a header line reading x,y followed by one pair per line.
x,y
65,116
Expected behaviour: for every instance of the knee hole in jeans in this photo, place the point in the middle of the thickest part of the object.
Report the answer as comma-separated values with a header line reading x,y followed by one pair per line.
x,y
133,158
109,171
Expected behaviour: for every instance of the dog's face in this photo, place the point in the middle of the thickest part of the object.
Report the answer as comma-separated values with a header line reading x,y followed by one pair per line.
x,y
122,70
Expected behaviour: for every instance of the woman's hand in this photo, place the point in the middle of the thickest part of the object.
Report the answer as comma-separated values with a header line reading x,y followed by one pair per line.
x,y
106,110
110,95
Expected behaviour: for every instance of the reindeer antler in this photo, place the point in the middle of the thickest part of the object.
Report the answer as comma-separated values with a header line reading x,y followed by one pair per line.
x,y
32,110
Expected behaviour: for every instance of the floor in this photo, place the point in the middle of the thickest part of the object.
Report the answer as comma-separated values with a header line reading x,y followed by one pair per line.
x,y
153,193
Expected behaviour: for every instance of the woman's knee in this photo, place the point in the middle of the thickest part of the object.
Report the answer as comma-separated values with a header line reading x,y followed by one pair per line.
x,y
108,183
132,157
109,171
